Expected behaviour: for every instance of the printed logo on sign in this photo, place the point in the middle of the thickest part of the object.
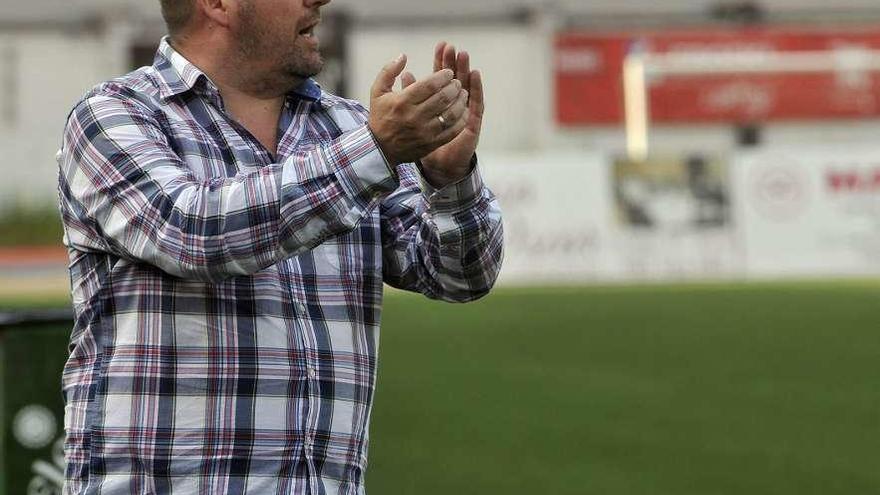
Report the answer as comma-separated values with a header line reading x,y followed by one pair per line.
x,y
750,99
578,61
853,180
48,476
34,426
780,192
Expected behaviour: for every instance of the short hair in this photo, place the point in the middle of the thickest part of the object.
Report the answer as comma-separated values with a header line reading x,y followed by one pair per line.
x,y
177,14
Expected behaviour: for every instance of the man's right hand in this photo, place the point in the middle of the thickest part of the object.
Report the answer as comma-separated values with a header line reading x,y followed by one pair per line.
x,y
406,123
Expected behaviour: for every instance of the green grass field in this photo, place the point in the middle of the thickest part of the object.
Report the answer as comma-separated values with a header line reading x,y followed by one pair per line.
x,y
691,389
744,389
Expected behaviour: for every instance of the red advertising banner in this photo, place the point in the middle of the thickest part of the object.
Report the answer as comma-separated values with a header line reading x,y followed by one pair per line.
x,y
589,67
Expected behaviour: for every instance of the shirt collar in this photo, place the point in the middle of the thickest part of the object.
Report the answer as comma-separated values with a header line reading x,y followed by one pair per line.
x,y
177,75
308,90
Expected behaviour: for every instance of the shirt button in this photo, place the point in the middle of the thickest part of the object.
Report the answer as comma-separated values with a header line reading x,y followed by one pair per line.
x,y
312,373
301,309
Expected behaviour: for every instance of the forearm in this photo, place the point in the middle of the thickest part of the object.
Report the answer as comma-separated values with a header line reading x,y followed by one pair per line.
x,y
134,198
453,250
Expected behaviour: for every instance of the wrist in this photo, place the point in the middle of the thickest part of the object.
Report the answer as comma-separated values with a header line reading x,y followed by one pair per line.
x,y
383,149
439,177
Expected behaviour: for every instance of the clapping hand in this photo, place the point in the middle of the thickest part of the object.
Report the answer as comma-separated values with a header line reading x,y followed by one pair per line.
x,y
405,123
452,161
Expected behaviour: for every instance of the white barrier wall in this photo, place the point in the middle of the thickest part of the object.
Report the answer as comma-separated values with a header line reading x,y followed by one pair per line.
x,y
556,210
810,210
779,212
573,213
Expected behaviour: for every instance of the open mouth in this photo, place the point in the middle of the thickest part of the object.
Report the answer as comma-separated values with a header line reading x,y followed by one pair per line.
x,y
309,30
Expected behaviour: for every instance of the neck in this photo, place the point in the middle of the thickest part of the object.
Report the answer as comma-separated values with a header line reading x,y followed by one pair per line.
x,y
247,92
258,115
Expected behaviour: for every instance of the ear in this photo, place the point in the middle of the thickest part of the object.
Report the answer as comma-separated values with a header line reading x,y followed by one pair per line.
x,y
217,11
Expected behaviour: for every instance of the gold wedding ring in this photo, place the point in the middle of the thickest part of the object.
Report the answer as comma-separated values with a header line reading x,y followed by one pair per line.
x,y
442,121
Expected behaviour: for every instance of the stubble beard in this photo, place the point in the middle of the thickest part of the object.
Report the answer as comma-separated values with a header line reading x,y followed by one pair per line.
x,y
284,62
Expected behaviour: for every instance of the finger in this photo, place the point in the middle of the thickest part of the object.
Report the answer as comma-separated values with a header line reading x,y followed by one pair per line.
x,y
385,80
449,57
476,104
438,56
463,69
455,111
407,80
440,101
420,91
451,132
451,115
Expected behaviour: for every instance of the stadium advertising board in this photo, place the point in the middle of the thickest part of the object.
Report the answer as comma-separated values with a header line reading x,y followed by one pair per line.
x,y
582,217
589,91
810,210
32,354
773,212
672,219
555,214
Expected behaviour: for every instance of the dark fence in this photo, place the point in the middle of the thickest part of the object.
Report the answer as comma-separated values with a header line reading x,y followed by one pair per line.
x,y
33,349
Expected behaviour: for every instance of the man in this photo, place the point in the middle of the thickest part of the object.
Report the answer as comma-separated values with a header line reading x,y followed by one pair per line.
x,y
230,227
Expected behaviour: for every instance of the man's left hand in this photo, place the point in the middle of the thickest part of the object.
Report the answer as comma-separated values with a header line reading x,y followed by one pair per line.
x,y
452,162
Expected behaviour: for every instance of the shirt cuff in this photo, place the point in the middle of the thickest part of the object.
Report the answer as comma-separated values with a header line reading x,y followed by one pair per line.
x,y
458,196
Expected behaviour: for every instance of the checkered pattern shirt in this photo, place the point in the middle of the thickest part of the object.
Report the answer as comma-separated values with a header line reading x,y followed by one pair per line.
x,y
227,301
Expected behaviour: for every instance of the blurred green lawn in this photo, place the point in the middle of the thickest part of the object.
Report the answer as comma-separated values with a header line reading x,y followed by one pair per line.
x,y
689,389
742,389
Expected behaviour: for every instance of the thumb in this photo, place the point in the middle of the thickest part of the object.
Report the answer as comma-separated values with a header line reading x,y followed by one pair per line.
x,y
385,81
407,79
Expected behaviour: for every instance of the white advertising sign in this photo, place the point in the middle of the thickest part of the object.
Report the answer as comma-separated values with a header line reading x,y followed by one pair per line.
x,y
769,213
810,211
672,219
584,217
556,209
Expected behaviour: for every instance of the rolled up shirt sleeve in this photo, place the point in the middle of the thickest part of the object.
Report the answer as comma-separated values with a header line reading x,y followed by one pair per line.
x,y
444,243
124,191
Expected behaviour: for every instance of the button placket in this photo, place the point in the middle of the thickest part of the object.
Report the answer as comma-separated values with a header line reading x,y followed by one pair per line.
x,y
306,405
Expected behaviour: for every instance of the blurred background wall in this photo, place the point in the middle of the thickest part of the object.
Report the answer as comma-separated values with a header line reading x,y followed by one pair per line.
x,y
682,389
545,129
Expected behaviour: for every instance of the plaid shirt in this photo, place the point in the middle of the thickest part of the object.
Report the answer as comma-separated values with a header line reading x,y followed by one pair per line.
x,y
227,301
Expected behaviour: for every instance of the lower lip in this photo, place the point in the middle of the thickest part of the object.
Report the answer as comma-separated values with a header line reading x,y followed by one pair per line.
x,y
313,39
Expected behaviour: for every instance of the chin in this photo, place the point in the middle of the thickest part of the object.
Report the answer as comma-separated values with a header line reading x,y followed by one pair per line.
x,y
302,69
